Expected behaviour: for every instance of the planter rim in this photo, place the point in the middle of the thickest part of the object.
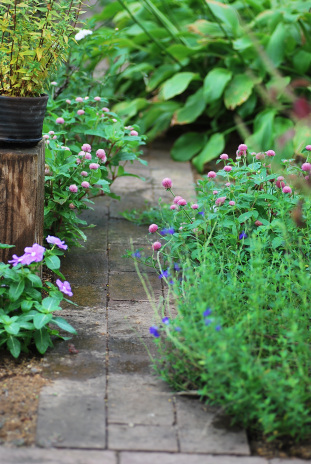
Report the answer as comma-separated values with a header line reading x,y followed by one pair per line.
x,y
43,95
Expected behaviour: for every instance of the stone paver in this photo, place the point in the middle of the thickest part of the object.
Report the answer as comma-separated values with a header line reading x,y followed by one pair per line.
x,y
105,402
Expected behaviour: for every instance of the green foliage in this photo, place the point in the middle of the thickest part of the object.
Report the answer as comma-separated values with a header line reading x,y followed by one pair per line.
x,y
68,167
34,38
215,61
26,313
237,266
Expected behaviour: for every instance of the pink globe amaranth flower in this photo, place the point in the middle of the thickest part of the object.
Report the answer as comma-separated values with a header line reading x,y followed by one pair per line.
x,y
307,177
220,201
215,192
133,132
306,167
45,136
153,228
156,246
231,203
173,207
228,184
308,147
195,206
286,189
280,184
73,188
106,110
53,83
86,98
80,112
85,184
54,137
79,99
182,202
88,156
211,174
260,156
270,153
51,132
86,147
167,183
84,173
228,168
60,121
258,223
78,161
94,166
97,99
281,177
47,142
100,153
224,156
115,120
176,199
66,148
242,147
72,206
68,101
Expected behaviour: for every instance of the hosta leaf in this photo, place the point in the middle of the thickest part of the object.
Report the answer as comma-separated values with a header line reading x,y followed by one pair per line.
x,y
275,48
194,106
187,146
177,84
226,13
262,138
238,91
215,83
160,74
212,149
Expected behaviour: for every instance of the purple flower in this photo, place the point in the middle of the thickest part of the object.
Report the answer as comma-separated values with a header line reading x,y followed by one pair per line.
x,y
33,254
171,282
166,320
56,241
136,254
64,287
207,312
16,260
178,329
218,328
242,235
154,331
164,274
208,321
168,231
201,212
177,267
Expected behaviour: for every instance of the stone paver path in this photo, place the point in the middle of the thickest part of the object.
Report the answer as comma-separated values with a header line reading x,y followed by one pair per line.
x,y
104,404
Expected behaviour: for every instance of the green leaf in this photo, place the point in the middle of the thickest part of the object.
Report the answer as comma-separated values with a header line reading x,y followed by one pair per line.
x,y
52,262
13,328
277,241
212,149
177,84
245,216
194,106
187,146
160,74
302,61
40,320
63,324
42,340
16,289
215,83
35,280
302,135
50,304
275,48
262,138
14,346
4,245
226,14
238,90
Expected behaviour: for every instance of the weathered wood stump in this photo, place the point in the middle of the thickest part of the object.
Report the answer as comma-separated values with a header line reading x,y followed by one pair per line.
x,y
21,198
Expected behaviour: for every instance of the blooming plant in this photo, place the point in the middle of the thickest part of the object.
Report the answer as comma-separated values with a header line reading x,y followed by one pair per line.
x,y
27,305
237,263
87,148
34,38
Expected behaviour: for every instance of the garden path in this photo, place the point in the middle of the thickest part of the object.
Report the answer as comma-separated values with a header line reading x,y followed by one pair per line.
x,y
104,404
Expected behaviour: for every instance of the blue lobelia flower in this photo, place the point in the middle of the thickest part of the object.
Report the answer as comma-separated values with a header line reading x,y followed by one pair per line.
x,y
164,274
242,235
207,312
154,331
166,320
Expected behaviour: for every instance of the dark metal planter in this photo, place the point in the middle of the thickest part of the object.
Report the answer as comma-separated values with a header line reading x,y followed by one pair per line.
x,y
21,120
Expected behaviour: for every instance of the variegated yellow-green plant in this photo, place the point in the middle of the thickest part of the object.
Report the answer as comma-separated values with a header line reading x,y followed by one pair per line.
x,y
34,36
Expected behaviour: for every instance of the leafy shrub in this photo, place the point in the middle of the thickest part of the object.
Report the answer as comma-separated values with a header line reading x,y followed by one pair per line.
x,y
237,264
87,150
214,64
27,304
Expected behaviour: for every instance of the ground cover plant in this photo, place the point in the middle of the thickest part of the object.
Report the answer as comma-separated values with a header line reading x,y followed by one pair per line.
x,y
237,263
167,58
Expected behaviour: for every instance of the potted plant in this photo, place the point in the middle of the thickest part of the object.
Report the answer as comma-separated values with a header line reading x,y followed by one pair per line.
x,y
34,36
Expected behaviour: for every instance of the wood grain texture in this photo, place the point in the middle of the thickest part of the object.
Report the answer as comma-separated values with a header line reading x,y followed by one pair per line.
x,y
21,198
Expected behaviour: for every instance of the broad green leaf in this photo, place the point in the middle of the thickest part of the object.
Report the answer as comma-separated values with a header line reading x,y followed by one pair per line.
x,y
187,146
277,241
13,328
35,280
302,135
129,109
194,106
275,48
302,61
262,138
206,28
50,304
212,149
14,346
63,324
180,51
42,340
160,74
177,84
40,320
52,262
215,83
4,245
245,216
238,91
16,289
225,13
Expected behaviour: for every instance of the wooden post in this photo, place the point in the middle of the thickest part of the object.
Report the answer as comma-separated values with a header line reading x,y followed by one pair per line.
x,y
21,198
